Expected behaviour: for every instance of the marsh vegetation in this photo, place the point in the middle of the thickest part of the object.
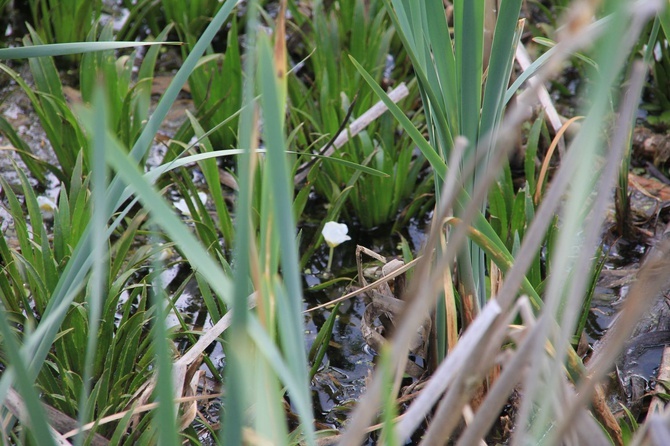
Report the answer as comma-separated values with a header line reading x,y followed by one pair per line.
x,y
351,221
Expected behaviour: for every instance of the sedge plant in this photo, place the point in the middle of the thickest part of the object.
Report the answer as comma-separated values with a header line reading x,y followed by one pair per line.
x,y
62,22
327,94
461,87
462,84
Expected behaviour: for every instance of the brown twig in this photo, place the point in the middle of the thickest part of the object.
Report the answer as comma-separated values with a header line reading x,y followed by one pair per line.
x,y
374,112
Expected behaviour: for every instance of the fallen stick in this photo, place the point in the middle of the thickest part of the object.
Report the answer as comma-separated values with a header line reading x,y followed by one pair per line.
x,y
16,405
374,112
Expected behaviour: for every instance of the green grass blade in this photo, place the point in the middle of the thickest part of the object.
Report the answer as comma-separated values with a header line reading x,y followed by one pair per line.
x,y
211,171
270,420
469,43
505,40
165,415
320,345
291,329
284,371
550,44
388,404
346,163
531,154
431,155
599,25
664,17
445,64
62,49
98,250
35,412
238,352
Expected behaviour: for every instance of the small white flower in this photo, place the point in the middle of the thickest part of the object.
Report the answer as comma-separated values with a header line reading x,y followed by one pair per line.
x,y
183,208
335,233
47,207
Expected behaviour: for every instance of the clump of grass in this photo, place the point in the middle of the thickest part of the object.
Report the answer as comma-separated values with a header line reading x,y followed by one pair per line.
x,y
66,284
31,277
62,22
63,129
328,94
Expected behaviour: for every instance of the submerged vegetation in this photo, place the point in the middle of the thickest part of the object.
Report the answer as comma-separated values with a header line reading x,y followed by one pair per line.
x,y
284,119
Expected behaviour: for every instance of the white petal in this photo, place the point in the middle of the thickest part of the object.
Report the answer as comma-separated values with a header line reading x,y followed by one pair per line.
x,y
335,233
47,206
183,208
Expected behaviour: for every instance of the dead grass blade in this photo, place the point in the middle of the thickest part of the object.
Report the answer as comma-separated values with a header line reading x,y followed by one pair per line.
x,y
136,410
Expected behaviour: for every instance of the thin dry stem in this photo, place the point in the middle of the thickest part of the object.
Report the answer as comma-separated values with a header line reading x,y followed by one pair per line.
x,y
369,287
374,112
547,159
138,409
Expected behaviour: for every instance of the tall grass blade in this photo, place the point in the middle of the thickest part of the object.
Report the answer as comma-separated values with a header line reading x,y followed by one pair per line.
x,y
211,171
290,310
239,352
469,44
429,152
62,49
165,415
594,29
99,218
